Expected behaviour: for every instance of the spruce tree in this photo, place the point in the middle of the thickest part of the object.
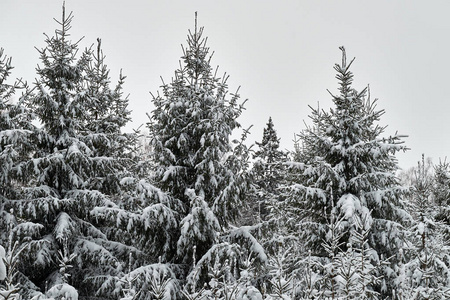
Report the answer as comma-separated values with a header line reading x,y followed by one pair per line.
x,y
105,118
16,145
441,193
205,174
349,170
427,255
191,127
59,189
269,159
268,170
15,128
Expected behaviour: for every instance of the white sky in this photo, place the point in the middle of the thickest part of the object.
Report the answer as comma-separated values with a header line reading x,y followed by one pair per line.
x,y
281,53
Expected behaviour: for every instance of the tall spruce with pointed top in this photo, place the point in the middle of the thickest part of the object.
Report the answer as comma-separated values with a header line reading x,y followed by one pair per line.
x,y
350,172
191,127
54,208
268,177
269,159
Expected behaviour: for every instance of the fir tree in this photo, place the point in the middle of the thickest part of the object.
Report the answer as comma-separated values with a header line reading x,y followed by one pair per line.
x,y
349,170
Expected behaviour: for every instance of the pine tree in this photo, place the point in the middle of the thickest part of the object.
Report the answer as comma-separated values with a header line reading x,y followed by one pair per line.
x,y
349,170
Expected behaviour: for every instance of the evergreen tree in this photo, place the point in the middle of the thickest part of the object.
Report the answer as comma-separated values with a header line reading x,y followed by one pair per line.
x,y
15,129
426,270
268,205
349,170
203,173
268,169
269,157
441,193
191,127
15,146
58,188
105,117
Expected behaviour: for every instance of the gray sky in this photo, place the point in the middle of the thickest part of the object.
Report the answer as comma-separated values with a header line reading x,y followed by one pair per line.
x,y
281,53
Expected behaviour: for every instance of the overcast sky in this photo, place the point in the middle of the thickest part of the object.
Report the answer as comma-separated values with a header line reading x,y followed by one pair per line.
x,y
281,53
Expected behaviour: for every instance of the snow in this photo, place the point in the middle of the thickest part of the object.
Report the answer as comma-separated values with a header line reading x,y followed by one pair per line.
x,y
62,291
420,228
2,263
349,205
9,294
64,226
255,247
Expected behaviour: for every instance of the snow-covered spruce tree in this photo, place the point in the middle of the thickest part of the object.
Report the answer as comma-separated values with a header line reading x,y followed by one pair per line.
x,y
106,116
269,159
348,170
196,162
349,273
140,215
191,126
270,218
427,266
15,146
8,126
15,130
441,193
268,170
58,193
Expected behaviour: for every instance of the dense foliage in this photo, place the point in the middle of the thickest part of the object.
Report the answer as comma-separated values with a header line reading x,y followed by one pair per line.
x,y
90,212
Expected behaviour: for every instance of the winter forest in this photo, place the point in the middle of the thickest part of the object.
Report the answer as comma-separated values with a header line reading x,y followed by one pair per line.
x,y
185,210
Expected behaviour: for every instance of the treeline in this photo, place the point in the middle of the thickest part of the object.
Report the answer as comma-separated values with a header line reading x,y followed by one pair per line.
x,y
90,212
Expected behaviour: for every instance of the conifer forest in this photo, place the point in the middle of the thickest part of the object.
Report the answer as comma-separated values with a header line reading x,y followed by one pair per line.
x,y
185,210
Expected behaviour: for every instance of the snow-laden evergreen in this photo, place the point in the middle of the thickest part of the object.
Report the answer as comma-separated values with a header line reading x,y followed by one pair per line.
x,y
15,138
269,159
15,125
425,272
15,146
69,172
348,170
268,170
441,194
196,162
191,127
185,212
104,120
